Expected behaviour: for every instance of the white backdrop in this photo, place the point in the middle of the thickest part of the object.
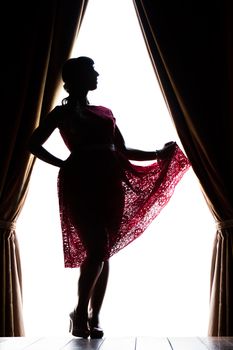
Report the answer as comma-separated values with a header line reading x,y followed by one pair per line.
x,y
159,285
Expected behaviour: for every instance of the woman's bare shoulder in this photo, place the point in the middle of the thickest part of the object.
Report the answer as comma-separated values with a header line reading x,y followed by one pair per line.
x,y
56,114
58,110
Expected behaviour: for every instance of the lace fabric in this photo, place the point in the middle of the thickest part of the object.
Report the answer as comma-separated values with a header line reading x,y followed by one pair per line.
x,y
134,197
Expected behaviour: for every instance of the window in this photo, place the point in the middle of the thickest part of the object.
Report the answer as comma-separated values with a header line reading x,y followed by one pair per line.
x,y
159,285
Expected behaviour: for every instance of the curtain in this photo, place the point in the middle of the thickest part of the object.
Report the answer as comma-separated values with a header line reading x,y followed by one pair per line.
x,y
37,39
190,44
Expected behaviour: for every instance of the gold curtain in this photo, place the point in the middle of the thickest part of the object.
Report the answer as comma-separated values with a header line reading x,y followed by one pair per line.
x,y
191,48
40,39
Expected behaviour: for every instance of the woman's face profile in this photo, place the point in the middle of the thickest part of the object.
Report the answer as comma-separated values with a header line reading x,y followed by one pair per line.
x,y
88,77
91,78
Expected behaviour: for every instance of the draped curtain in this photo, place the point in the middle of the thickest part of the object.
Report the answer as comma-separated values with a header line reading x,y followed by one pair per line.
x,y
190,44
40,39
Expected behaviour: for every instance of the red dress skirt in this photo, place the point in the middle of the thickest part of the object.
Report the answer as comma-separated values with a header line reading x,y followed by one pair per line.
x,y
106,202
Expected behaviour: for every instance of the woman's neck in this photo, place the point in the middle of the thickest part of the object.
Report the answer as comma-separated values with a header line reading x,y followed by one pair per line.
x,y
78,100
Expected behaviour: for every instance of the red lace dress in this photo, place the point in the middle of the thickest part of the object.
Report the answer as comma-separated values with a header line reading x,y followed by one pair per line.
x,y
105,200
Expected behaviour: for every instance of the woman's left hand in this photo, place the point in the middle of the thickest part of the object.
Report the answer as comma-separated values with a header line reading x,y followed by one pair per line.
x,y
167,150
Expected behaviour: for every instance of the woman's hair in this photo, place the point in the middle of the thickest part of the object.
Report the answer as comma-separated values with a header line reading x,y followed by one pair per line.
x,y
74,71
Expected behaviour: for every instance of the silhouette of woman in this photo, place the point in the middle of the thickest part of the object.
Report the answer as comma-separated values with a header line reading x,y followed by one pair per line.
x,y
105,200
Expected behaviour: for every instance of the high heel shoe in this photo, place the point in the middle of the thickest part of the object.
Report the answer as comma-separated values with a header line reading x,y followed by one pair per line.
x,y
96,332
75,330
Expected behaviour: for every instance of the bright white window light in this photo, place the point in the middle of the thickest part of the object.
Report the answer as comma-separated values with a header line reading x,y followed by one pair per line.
x,y
159,285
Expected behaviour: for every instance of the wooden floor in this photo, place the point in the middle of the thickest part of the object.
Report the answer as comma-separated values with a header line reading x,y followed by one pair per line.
x,y
121,343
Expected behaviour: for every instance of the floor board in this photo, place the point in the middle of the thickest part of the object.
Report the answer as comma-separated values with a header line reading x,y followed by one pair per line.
x,y
187,343
83,344
18,343
121,343
152,343
116,343
216,343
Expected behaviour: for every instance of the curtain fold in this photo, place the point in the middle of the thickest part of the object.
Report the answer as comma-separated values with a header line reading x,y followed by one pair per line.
x,y
191,48
40,40
221,302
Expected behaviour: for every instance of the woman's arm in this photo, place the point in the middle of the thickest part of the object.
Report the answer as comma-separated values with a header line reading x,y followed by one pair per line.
x,y
139,155
40,136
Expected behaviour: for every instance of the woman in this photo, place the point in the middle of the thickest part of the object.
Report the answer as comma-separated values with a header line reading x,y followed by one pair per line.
x,y
105,200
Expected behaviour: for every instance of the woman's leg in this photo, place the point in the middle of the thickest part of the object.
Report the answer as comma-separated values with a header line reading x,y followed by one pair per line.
x,y
98,294
89,273
93,274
